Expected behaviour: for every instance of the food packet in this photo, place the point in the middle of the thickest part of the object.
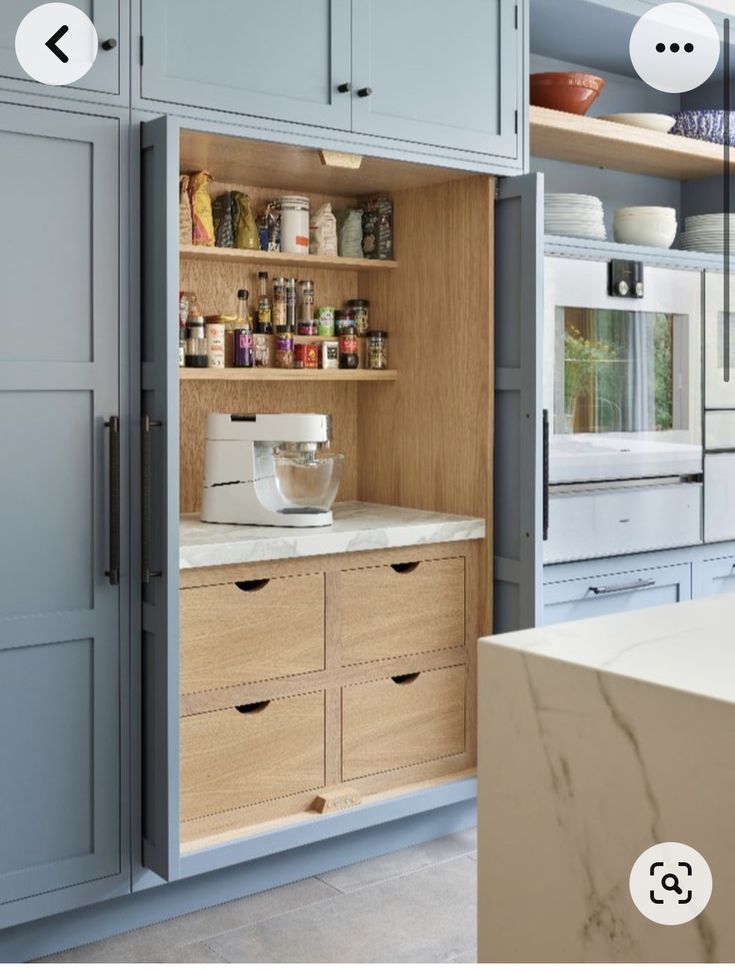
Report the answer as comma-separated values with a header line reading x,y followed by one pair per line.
x,y
201,209
377,229
184,211
323,231
246,230
350,233
224,213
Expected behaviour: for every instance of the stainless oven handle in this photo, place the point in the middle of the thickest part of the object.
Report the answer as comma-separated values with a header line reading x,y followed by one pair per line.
x,y
623,588
545,473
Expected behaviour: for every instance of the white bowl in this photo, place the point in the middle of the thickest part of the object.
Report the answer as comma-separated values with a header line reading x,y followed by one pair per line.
x,y
645,230
661,212
662,123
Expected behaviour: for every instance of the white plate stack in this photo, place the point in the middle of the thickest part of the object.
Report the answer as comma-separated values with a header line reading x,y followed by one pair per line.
x,y
706,234
570,214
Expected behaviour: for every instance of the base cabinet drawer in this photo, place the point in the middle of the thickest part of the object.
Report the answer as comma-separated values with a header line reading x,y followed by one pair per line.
x,y
402,608
238,633
402,721
242,756
714,577
615,593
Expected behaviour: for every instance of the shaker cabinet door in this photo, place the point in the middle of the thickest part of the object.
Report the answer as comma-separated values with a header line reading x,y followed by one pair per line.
x,y
60,617
438,73
280,59
104,76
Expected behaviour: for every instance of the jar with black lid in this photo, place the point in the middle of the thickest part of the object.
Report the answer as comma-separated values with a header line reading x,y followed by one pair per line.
x,y
348,356
377,353
360,310
196,343
342,319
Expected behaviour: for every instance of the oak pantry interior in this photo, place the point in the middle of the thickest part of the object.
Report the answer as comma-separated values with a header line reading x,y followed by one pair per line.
x,y
418,437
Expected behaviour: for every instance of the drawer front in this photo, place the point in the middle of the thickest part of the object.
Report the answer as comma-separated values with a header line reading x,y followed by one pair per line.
x,y
615,593
240,633
239,757
719,497
714,577
404,608
394,723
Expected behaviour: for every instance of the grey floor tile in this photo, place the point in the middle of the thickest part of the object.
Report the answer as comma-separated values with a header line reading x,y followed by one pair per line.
x,y
138,945
350,878
428,915
189,954
467,957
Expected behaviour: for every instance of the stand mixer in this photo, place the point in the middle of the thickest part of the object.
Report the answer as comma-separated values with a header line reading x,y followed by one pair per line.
x,y
269,470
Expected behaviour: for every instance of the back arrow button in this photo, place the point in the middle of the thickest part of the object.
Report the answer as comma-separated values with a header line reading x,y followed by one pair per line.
x,y
51,44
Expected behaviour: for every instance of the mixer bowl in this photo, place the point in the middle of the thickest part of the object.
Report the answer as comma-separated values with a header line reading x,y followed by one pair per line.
x,y
307,481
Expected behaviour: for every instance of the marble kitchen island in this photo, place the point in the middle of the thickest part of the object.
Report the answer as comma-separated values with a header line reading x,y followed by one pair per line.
x,y
598,740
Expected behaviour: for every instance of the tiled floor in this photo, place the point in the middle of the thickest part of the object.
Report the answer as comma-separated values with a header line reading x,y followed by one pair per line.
x,y
417,905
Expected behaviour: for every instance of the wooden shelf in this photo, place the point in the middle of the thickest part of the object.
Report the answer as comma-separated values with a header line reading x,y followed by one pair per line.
x,y
606,144
263,258
280,374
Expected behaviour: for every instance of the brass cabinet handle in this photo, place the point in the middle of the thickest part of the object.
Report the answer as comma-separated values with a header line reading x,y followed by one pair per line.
x,y
113,574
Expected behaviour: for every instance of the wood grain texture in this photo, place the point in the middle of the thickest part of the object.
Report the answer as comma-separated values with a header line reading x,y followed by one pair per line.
x,y
387,726
336,800
384,613
427,440
299,169
281,374
275,263
607,144
231,636
230,759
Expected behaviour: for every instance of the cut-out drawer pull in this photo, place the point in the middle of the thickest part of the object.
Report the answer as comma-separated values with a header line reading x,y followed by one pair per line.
x,y
253,708
406,678
250,586
404,567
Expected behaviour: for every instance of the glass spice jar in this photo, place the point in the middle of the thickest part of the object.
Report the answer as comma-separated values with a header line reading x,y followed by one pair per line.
x,y
377,350
348,357
306,312
342,319
279,301
284,354
360,309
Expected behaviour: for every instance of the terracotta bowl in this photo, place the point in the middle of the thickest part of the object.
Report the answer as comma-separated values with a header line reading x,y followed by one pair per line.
x,y
565,91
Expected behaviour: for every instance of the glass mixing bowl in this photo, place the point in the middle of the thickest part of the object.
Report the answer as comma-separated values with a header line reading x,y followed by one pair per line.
x,y
308,479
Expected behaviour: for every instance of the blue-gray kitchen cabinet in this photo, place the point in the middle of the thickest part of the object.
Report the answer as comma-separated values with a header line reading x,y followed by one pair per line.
x,y
108,79
62,621
284,59
438,73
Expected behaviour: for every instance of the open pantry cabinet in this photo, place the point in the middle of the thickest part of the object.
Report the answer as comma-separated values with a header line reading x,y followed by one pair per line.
x,y
417,436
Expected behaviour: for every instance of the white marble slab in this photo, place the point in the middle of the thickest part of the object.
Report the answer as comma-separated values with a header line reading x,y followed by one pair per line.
x,y
357,526
688,646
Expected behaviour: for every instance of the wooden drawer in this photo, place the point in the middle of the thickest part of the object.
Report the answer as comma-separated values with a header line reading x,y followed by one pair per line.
x,y
242,756
404,608
398,722
236,633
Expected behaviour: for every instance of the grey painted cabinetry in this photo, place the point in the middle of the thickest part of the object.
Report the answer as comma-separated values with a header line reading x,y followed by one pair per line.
x,y
60,617
443,77
108,77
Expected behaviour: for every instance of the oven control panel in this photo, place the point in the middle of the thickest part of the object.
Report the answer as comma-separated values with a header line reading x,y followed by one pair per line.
x,y
625,279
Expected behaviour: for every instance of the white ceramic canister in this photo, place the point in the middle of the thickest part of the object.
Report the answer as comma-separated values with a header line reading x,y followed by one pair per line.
x,y
215,345
294,224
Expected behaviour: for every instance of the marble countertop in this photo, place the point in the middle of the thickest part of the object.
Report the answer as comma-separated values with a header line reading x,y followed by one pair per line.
x,y
357,526
688,646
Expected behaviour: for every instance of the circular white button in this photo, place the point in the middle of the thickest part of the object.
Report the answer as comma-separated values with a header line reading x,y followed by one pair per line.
x,y
56,43
671,883
675,47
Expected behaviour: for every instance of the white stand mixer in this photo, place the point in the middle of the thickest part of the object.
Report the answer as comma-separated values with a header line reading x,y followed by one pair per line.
x,y
265,470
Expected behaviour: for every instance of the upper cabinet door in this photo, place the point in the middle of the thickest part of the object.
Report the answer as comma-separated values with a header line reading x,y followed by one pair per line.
x,y
60,617
281,59
104,77
436,72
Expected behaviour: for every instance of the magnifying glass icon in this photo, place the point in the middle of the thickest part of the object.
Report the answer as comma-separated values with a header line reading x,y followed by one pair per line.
x,y
671,882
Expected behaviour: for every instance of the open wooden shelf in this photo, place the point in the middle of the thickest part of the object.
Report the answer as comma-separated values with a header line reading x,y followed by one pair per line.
x,y
281,374
606,144
219,253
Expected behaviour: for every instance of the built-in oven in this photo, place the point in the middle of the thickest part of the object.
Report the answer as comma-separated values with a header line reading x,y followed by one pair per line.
x,y
623,407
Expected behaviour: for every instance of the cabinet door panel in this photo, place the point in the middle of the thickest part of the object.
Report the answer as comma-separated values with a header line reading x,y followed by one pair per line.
x,y
715,577
104,75
60,739
441,73
283,59
615,593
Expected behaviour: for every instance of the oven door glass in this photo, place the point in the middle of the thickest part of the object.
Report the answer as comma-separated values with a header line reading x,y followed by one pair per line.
x,y
625,390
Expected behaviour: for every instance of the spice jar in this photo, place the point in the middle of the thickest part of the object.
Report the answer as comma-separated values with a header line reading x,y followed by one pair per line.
x,y
196,343
342,319
215,334
284,355
307,324
325,321
329,354
279,302
243,350
348,347
377,350
291,305
263,349
361,312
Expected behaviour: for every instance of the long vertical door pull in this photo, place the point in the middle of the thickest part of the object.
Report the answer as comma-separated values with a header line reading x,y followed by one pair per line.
x,y
546,474
113,574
